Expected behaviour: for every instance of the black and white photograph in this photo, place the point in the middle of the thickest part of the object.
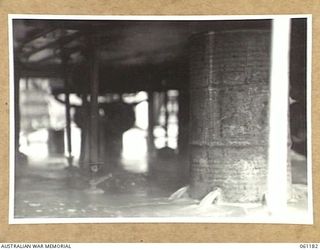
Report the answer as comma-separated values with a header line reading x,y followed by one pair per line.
x,y
160,119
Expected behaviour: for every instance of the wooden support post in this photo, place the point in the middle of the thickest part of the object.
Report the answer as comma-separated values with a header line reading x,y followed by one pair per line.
x,y
166,117
150,123
183,120
94,108
278,133
16,108
84,148
64,64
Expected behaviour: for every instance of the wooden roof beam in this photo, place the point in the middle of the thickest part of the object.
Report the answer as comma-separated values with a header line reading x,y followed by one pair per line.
x,y
62,40
36,36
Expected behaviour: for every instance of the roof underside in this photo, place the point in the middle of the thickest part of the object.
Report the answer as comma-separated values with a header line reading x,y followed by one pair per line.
x,y
133,55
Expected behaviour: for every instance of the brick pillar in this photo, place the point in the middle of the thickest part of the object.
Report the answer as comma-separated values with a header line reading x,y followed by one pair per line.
x,y
229,94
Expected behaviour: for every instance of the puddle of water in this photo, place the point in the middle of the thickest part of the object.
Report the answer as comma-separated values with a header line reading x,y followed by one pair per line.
x,y
47,193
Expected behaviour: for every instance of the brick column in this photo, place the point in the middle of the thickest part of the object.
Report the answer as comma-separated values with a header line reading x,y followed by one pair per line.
x,y
229,94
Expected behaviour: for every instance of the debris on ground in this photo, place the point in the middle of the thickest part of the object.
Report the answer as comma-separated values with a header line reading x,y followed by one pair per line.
x,y
124,181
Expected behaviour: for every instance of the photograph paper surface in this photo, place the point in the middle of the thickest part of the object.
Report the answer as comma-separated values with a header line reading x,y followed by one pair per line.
x,y
160,119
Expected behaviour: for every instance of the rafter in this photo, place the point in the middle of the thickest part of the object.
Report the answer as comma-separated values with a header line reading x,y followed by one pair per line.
x,y
62,40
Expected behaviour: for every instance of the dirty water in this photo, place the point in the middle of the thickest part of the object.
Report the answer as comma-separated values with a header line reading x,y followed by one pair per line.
x,y
49,192
39,197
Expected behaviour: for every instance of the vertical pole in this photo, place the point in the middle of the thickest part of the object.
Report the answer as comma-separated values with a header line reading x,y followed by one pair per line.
x,y
183,121
84,131
94,109
17,107
278,133
166,120
64,63
150,123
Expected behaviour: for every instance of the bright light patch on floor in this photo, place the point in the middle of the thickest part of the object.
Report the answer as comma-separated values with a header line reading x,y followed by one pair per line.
x,y
75,141
134,144
35,145
134,140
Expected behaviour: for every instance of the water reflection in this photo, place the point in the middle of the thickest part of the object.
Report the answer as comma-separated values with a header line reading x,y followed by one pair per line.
x,y
50,192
